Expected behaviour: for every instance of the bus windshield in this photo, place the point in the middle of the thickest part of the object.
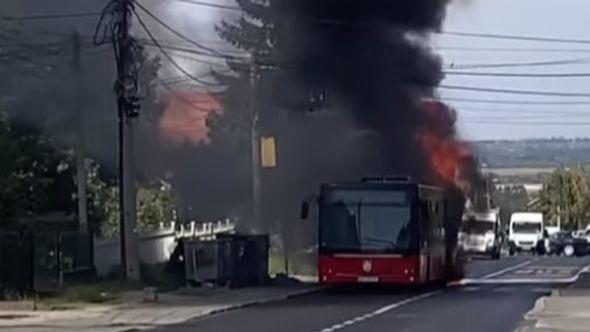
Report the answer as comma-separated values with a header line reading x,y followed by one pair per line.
x,y
526,227
366,221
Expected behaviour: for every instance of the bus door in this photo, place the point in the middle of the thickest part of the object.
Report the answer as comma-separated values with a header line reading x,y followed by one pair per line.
x,y
425,248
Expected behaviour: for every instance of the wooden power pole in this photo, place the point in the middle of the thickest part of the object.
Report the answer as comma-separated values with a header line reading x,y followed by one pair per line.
x,y
127,102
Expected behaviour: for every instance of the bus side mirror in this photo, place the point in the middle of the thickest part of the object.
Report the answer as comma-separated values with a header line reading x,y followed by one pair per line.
x,y
304,210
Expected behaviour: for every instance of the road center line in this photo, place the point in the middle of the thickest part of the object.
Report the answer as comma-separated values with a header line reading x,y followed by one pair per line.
x,y
508,269
377,312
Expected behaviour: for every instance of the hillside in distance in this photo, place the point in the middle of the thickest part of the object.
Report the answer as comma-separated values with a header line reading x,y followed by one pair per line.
x,y
552,152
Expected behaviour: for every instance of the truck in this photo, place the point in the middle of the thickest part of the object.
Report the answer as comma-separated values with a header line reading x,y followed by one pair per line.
x,y
525,232
481,233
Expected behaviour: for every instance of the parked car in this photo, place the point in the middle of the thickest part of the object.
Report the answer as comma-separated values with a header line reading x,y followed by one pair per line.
x,y
565,243
582,234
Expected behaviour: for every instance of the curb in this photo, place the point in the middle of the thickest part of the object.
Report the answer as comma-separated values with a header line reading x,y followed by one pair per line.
x,y
537,309
259,302
147,326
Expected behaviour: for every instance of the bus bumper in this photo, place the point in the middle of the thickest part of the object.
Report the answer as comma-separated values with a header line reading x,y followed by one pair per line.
x,y
369,269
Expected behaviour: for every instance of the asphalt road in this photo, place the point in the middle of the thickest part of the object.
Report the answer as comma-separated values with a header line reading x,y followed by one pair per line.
x,y
493,297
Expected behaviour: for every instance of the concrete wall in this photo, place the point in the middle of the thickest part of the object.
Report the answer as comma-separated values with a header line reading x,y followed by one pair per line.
x,y
153,249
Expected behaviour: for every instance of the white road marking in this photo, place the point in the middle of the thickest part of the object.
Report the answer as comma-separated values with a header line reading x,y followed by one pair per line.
x,y
468,281
377,312
522,280
470,289
506,270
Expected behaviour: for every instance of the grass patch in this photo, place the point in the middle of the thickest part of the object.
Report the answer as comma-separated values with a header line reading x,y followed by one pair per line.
x,y
276,262
100,292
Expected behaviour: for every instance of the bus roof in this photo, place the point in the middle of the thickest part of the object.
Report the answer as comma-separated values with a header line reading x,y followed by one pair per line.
x,y
374,184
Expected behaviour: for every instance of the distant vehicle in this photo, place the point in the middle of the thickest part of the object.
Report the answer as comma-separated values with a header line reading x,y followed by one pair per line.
x,y
481,234
565,243
387,231
582,234
552,230
525,232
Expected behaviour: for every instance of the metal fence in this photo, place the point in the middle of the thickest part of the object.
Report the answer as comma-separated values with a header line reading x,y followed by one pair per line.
x,y
16,263
43,261
60,256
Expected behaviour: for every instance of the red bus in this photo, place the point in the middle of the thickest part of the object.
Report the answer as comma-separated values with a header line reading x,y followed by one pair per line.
x,y
381,230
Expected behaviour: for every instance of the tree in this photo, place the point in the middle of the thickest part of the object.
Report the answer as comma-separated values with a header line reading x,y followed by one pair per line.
x,y
510,200
35,178
566,195
156,203
316,142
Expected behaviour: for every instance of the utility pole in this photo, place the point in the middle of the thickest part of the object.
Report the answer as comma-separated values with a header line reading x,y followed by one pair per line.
x,y
255,148
80,141
126,89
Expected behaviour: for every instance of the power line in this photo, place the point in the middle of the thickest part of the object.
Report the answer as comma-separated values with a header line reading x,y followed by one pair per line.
x,y
181,98
265,61
514,102
515,37
498,74
529,117
584,111
211,5
168,56
185,49
529,123
511,49
176,32
520,64
49,16
519,92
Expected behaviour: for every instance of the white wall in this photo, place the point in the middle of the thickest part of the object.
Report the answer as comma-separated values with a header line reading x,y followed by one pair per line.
x,y
153,249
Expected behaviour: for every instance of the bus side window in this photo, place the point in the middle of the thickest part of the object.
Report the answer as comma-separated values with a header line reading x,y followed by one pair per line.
x,y
424,210
425,222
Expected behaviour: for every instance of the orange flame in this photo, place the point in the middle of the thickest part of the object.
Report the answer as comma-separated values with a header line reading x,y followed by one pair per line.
x,y
185,117
448,156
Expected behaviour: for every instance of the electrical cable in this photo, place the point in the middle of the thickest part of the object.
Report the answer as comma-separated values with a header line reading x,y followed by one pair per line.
x,y
168,56
519,92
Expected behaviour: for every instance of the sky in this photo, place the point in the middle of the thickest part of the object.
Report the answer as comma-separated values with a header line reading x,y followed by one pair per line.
x,y
481,121
537,18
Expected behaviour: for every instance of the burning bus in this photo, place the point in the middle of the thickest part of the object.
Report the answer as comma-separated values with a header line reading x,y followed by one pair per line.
x,y
383,230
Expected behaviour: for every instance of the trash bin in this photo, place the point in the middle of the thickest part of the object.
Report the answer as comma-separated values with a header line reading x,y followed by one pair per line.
x,y
237,260
208,261
250,260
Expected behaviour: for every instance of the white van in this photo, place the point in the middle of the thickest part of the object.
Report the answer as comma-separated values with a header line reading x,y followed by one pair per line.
x,y
480,233
525,231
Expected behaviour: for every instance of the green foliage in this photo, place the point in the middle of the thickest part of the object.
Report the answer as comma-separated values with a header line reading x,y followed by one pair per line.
x,y
565,193
10,181
101,292
156,203
510,200
35,178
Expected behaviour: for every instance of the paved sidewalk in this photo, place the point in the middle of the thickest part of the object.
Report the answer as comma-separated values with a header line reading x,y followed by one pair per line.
x,y
566,310
172,308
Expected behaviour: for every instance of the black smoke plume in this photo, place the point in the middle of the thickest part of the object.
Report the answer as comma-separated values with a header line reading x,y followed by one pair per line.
x,y
370,55
373,58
